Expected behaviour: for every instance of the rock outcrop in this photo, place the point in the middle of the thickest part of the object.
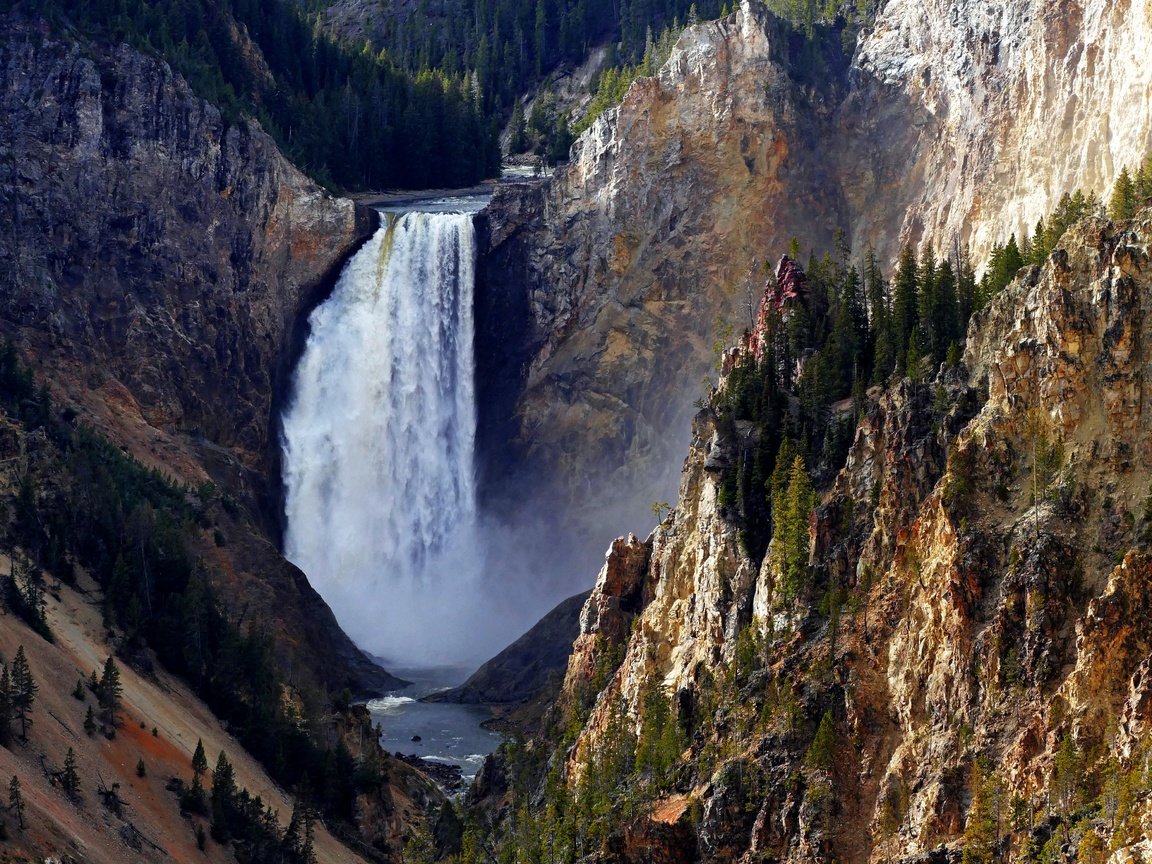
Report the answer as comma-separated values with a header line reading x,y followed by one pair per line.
x,y
991,531
532,663
954,123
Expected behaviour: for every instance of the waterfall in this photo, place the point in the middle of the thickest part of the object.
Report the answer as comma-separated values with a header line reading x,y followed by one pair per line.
x,y
378,445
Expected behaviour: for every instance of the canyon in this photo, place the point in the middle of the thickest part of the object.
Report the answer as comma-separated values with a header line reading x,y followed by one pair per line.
x,y
988,532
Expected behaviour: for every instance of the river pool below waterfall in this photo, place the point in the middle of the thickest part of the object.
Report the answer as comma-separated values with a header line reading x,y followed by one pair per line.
x,y
449,734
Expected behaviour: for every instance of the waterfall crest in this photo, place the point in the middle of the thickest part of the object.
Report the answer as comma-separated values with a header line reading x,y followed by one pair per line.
x,y
378,445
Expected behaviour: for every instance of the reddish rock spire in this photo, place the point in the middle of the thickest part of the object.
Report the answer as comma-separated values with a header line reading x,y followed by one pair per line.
x,y
790,280
778,293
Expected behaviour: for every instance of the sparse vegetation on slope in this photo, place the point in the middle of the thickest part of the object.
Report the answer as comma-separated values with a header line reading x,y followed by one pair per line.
x,y
86,507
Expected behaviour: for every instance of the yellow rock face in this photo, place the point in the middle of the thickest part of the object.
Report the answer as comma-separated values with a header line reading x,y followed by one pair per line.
x,y
994,547
957,123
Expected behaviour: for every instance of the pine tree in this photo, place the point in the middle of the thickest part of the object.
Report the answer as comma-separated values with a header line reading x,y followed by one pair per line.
x,y
141,768
223,792
7,707
308,847
822,753
1005,262
904,303
1067,778
981,829
1122,204
70,776
879,319
541,37
199,763
790,530
926,302
966,286
108,695
24,689
194,799
1143,183
16,801
914,356
90,722
517,133
1013,260
946,310
78,690
1026,247
1040,250
292,840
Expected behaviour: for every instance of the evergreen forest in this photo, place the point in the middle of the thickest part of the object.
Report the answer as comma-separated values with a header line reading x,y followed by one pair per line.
x,y
422,103
351,118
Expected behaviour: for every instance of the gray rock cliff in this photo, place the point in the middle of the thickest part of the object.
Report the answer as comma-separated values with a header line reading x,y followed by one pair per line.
x,y
156,263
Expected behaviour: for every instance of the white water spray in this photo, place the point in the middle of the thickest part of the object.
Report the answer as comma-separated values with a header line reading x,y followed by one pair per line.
x,y
378,447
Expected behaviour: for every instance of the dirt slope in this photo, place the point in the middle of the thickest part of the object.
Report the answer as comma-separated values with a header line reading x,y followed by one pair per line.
x,y
86,831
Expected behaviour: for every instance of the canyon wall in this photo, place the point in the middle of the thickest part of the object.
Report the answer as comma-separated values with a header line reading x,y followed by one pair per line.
x,y
156,255
157,262
993,547
954,123
981,115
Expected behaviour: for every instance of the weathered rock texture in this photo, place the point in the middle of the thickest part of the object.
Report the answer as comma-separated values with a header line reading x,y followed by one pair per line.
x,y
955,123
656,228
152,250
155,262
1006,107
992,532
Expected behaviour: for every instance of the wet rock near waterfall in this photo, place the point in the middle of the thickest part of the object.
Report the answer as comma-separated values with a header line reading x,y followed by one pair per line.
x,y
450,778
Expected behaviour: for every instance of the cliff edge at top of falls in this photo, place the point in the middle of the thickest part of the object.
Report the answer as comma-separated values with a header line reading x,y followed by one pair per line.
x,y
988,548
156,261
953,123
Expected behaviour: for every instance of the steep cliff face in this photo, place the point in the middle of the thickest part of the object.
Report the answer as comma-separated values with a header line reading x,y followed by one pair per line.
x,y
156,263
155,256
978,623
976,118
956,123
654,230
